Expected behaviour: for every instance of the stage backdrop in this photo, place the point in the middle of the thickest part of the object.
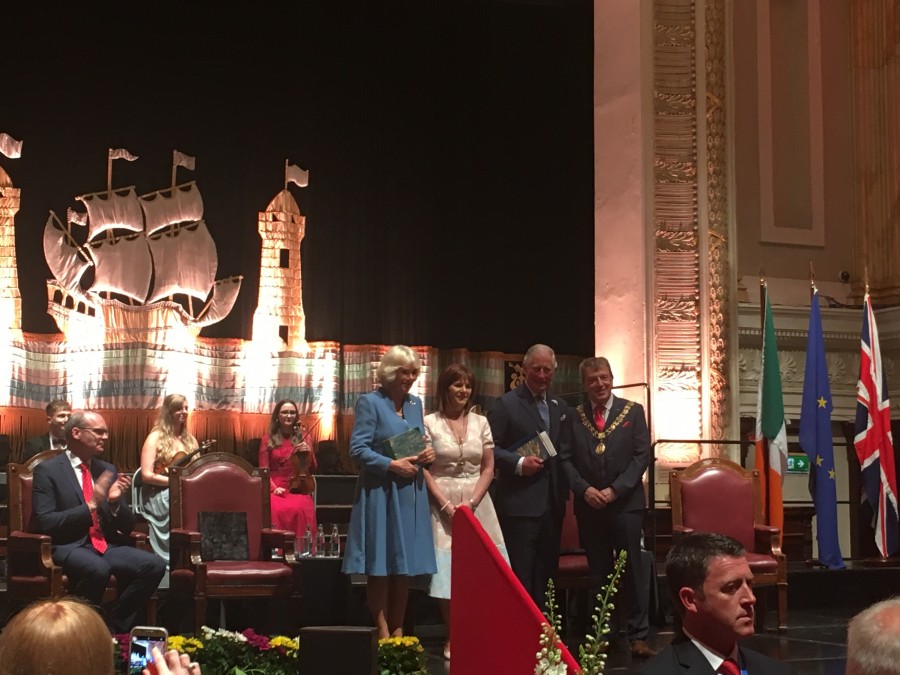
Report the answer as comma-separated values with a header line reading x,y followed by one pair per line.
x,y
231,385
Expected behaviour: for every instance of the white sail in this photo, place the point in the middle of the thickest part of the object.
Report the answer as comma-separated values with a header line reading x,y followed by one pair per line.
x,y
117,210
62,255
224,295
123,265
184,261
182,204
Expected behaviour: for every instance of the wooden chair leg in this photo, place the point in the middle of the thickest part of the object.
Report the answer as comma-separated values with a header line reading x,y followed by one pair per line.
x,y
199,613
759,618
782,606
151,610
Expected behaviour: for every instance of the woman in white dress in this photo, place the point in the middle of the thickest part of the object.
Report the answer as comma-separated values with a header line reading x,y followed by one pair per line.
x,y
460,475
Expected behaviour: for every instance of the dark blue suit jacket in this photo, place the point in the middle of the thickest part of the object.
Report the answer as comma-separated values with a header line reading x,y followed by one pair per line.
x,y
35,445
59,509
513,418
621,465
682,656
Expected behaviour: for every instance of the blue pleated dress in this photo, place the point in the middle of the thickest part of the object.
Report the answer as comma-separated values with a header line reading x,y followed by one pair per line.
x,y
390,524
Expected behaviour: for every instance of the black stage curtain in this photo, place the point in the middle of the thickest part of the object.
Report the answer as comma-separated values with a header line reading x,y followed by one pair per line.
x,y
449,146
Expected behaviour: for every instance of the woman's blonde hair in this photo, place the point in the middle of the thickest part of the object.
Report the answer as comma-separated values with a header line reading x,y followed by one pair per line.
x,y
57,637
165,425
398,356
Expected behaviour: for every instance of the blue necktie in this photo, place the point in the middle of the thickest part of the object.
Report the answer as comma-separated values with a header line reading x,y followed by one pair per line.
x,y
544,412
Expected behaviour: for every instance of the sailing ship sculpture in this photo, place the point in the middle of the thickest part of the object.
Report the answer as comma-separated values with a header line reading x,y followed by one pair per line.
x,y
145,263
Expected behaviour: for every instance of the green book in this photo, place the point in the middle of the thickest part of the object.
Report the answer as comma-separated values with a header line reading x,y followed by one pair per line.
x,y
408,444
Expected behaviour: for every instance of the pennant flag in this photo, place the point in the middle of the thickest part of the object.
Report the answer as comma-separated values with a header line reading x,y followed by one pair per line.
x,y
180,159
10,147
816,440
121,153
294,174
74,216
874,443
771,437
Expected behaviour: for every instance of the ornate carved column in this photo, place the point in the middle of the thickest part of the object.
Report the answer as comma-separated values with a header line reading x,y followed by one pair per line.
x,y
692,270
875,77
664,290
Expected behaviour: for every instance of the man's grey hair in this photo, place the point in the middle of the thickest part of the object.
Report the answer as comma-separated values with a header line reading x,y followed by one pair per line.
x,y
76,419
873,640
534,350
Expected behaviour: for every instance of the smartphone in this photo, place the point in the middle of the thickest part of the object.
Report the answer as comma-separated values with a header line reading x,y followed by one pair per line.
x,y
142,640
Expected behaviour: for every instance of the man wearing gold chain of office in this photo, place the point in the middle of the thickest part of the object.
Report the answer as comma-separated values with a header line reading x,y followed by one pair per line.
x,y
605,464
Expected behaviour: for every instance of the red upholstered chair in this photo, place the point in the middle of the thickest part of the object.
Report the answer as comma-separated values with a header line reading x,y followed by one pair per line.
x,y
221,483
31,573
717,495
573,565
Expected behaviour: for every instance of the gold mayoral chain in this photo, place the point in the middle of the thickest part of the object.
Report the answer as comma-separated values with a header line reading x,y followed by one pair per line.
x,y
607,430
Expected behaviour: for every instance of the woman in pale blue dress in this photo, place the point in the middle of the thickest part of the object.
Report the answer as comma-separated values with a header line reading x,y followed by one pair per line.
x,y
168,438
460,475
389,537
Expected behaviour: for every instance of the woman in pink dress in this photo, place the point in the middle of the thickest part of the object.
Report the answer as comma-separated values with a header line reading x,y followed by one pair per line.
x,y
290,511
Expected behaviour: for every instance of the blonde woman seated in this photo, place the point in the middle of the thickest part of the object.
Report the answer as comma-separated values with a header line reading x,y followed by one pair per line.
x,y
462,471
168,439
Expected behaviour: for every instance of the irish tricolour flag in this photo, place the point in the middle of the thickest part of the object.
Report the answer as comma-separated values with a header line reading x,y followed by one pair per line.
x,y
771,439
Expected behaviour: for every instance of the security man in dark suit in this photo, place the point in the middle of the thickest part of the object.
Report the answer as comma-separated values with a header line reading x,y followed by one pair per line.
x,y
77,500
710,585
58,412
531,490
605,463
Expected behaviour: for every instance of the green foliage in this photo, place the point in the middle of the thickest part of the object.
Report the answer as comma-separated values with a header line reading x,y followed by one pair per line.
x,y
401,656
592,652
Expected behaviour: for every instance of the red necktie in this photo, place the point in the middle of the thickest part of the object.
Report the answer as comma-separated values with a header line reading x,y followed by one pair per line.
x,y
87,487
729,667
598,417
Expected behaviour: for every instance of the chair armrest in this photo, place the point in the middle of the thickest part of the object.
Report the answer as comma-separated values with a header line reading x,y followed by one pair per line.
x,y
185,548
283,539
139,540
29,550
681,531
766,540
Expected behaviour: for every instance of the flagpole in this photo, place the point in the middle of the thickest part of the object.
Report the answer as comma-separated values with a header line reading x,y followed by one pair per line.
x,y
285,174
812,282
764,469
109,170
174,169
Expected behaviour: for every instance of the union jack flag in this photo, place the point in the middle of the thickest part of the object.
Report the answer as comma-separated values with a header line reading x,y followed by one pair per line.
x,y
873,441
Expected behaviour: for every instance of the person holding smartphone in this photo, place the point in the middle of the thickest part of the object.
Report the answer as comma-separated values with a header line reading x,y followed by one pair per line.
x,y
171,663
148,655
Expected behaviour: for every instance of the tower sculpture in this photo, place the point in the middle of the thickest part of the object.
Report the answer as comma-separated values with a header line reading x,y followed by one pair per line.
x,y
279,319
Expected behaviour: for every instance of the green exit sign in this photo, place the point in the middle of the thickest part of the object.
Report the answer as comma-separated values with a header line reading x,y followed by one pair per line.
x,y
798,464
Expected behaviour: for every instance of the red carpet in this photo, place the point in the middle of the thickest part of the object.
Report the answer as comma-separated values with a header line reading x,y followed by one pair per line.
x,y
495,626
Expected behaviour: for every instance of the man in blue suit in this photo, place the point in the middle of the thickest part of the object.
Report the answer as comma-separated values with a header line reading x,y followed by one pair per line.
x,y
531,490
710,586
77,500
605,465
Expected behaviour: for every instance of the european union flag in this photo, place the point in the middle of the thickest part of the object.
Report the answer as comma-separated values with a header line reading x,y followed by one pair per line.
x,y
815,439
